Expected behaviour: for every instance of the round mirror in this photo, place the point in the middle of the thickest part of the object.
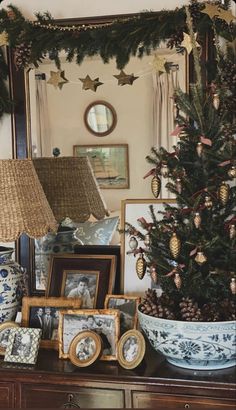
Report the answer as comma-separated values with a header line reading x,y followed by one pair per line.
x,y
100,118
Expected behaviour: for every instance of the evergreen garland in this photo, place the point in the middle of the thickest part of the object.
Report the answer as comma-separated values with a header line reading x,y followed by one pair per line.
x,y
31,41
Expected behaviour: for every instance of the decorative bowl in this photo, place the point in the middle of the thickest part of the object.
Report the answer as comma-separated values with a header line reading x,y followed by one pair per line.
x,y
192,345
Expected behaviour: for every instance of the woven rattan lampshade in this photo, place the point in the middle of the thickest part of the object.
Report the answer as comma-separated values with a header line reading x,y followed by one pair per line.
x,y
23,205
71,188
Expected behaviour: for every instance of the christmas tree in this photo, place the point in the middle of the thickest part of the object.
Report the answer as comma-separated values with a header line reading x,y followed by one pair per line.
x,y
191,250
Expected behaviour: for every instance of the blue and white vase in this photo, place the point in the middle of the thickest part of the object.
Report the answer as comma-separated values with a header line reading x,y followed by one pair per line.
x,y
192,345
11,277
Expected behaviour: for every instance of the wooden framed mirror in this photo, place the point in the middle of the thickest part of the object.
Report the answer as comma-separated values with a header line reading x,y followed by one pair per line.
x,y
100,118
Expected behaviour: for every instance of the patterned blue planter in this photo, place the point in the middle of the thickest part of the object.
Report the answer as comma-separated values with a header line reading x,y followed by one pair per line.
x,y
192,345
10,285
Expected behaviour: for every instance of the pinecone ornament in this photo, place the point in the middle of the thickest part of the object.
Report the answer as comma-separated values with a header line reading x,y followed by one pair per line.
x,y
189,310
153,274
156,186
177,280
233,286
22,54
175,245
232,231
197,220
141,266
208,202
232,172
223,193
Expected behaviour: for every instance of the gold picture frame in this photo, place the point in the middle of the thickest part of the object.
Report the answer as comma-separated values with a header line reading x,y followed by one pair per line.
x,y
30,307
110,163
131,349
105,322
131,211
85,348
4,334
127,305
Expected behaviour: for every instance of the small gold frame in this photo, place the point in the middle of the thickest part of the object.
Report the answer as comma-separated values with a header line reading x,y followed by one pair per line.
x,y
133,356
85,361
137,301
42,302
3,327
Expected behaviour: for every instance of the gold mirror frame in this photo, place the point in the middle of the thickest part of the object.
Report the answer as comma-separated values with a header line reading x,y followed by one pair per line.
x,y
113,115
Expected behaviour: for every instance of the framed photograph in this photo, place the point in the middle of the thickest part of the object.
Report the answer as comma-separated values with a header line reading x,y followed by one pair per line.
x,y
127,305
85,348
97,271
43,313
4,334
82,285
23,345
110,163
131,211
104,322
131,349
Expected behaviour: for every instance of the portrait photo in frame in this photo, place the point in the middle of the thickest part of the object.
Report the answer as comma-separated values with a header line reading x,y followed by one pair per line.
x,y
110,163
104,322
104,265
131,211
85,348
82,285
43,313
127,305
23,345
131,349
4,334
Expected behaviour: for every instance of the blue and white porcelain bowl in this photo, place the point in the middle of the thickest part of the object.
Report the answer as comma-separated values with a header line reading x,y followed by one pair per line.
x,y
10,285
192,345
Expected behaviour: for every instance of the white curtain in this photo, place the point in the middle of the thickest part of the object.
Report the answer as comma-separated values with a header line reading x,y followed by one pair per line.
x,y
163,116
43,143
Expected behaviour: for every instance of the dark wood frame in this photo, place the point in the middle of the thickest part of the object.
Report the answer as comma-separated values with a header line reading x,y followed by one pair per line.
x,y
114,118
104,264
20,123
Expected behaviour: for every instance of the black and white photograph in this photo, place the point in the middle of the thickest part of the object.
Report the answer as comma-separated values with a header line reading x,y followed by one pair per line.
x,y
83,285
104,322
23,345
131,349
4,334
85,348
43,313
127,305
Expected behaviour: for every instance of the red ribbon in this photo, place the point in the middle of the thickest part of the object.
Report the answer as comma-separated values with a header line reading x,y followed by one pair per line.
x,y
151,172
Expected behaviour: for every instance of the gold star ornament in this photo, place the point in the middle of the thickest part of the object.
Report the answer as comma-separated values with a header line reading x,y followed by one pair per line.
x,y
3,39
89,84
211,10
57,79
124,78
226,15
187,42
158,64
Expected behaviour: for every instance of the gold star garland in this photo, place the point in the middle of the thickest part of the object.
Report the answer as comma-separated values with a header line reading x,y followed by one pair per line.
x,y
124,78
158,64
187,42
89,84
57,79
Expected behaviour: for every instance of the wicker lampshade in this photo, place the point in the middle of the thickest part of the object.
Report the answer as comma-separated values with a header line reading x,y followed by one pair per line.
x,y
23,205
71,188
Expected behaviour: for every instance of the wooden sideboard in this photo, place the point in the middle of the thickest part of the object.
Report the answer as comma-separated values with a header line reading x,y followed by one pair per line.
x,y
55,383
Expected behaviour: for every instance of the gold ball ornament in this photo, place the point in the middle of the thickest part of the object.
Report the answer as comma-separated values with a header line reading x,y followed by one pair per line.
x,y
223,193
200,258
164,170
232,231
153,274
216,101
197,220
177,280
133,243
199,149
141,266
175,245
232,172
156,186
208,202
233,286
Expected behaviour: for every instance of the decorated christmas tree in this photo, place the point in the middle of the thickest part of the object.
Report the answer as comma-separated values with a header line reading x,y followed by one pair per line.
x,y
190,251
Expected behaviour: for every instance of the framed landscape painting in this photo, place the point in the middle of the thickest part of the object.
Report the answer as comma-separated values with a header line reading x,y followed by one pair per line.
x,y
110,163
